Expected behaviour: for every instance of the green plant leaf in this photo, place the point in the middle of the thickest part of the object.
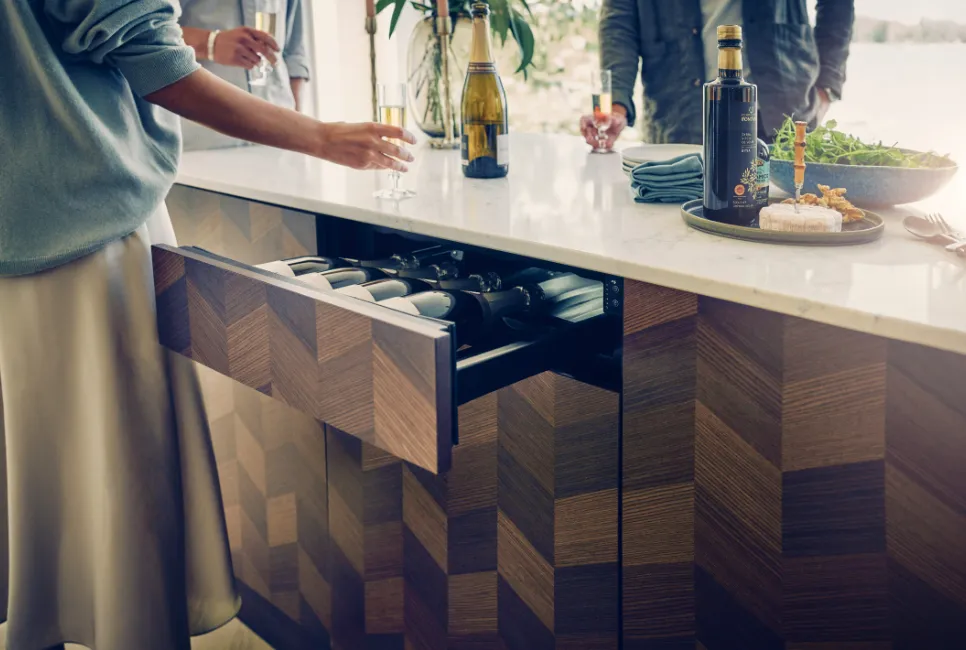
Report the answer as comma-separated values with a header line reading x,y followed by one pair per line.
x,y
395,15
382,4
527,7
500,19
418,6
523,35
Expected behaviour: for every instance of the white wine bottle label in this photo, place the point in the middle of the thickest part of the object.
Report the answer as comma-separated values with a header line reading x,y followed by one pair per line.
x,y
316,281
277,267
401,304
503,149
356,291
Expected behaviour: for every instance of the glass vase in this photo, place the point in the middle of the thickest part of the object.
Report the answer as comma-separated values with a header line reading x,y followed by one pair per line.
x,y
425,74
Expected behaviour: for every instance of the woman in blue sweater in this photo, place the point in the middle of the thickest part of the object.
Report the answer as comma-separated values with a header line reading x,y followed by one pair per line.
x,y
111,529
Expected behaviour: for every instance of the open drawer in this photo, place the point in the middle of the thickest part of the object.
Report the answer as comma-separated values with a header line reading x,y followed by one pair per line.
x,y
388,378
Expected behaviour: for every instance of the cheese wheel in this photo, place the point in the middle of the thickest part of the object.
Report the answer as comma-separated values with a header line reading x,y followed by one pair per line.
x,y
809,218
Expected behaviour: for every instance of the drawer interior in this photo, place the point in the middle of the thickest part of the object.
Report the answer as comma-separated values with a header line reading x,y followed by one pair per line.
x,y
389,378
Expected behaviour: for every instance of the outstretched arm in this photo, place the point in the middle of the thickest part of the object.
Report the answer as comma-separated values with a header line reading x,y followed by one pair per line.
x,y
217,104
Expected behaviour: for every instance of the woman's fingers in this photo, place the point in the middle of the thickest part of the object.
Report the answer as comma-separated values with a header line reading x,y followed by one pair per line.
x,y
393,132
387,148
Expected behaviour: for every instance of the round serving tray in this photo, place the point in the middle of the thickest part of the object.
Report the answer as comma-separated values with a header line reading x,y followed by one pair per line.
x,y
868,229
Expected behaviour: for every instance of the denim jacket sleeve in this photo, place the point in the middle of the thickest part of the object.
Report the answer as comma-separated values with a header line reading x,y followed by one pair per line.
x,y
620,43
294,53
833,33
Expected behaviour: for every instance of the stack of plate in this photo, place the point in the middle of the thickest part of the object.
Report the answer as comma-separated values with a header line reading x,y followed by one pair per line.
x,y
634,156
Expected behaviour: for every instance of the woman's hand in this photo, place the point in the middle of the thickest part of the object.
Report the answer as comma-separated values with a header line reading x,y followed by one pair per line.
x,y
364,146
208,100
240,47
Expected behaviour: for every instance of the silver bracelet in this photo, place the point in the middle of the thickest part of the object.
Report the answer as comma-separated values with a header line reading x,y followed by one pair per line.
x,y
211,44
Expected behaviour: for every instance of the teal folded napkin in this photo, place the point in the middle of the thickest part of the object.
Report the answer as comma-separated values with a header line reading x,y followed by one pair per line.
x,y
670,195
677,180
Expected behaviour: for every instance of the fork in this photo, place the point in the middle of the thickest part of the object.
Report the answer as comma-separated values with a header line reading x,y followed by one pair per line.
x,y
959,242
938,220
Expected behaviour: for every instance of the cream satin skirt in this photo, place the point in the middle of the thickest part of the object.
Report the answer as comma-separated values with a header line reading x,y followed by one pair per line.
x,y
112,532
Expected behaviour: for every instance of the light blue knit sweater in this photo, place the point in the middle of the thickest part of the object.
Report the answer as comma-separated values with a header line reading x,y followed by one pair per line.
x,y
84,160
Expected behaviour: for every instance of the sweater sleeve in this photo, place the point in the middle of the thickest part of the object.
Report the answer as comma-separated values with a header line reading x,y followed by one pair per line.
x,y
141,38
294,52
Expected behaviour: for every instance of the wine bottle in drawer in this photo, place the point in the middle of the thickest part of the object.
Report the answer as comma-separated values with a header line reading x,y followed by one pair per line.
x,y
385,288
415,260
476,314
301,265
345,277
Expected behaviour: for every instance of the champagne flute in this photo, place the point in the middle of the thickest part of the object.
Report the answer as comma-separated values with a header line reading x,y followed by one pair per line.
x,y
266,20
392,111
603,108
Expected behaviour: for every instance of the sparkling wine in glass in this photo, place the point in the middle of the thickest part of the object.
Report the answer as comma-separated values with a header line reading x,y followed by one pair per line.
x,y
603,108
392,111
266,20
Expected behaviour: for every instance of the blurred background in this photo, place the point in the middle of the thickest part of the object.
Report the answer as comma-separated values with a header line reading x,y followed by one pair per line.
x,y
904,72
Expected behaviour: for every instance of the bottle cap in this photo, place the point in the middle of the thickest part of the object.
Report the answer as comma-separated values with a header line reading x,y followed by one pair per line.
x,y
729,32
480,9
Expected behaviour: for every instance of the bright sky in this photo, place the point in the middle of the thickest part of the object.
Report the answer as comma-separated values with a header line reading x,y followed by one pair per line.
x,y
909,11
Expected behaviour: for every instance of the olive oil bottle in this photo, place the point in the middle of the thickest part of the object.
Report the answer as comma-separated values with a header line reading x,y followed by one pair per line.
x,y
730,137
485,145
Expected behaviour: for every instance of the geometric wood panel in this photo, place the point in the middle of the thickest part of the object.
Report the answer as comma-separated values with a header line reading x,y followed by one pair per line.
x,y
826,507
450,525
245,231
515,547
657,512
365,522
557,519
272,468
373,373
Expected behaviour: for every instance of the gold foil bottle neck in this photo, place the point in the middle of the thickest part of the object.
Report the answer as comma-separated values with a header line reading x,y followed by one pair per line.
x,y
480,9
728,32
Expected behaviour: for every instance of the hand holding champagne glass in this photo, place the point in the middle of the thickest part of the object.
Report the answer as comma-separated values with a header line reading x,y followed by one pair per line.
x,y
392,111
266,20
603,108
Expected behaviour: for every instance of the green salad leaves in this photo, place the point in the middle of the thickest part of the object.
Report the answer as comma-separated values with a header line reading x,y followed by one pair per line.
x,y
826,145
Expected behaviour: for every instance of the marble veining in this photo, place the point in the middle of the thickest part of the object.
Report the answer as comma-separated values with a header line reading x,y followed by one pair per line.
x,y
563,205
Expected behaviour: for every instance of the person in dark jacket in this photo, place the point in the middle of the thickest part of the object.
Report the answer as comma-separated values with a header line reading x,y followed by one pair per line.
x,y
799,70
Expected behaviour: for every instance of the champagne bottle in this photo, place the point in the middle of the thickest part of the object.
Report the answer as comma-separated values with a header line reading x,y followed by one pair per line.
x,y
385,288
476,314
433,263
730,137
485,145
296,266
478,282
339,278
416,259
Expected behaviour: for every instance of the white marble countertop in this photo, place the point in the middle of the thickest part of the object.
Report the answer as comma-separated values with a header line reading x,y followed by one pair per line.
x,y
561,204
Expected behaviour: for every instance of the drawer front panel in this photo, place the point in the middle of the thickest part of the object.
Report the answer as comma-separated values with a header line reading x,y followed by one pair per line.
x,y
383,377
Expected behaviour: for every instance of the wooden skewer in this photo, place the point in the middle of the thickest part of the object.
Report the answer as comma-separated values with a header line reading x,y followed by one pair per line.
x,y
799,161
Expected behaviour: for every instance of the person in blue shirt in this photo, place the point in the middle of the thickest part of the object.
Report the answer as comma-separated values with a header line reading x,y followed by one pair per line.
x,y
225,42
111,523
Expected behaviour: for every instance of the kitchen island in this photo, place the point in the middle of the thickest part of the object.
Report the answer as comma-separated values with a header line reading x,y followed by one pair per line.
x,y
777,465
